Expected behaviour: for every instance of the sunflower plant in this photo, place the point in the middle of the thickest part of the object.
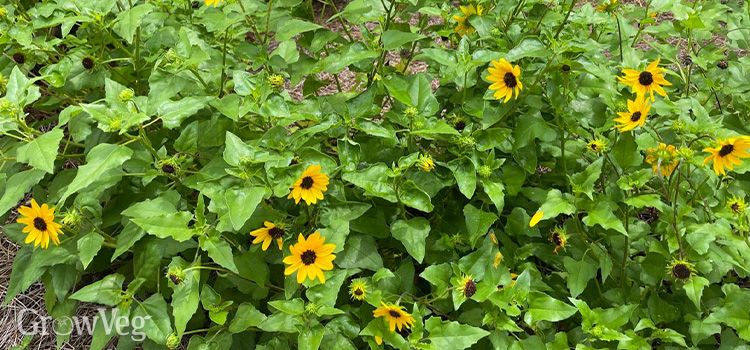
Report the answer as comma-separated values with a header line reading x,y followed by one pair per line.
x,y
370,174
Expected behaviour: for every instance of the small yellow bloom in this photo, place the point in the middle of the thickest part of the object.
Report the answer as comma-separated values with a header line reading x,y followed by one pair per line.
x,y
426,163
668,157
498,259
267,234
647,81
505,79
40,224
536,218
607,6
213,3
379,340
310,257
468,286
596,145
736,205
310,186
358,289
635,116
513,277
728,153
464,26
681,269
395,315
494,239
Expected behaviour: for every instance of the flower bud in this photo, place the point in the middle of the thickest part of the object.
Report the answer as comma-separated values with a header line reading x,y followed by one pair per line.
x,y
173,341
484,171
276,81
126,95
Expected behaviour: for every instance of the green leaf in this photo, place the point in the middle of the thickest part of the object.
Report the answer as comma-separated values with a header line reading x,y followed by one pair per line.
x,y
646,200
557,203
413,234
694,289
293,27
604,216
477,222
360,252
465,174
174,225
292,307
157,325
583,182
309,339
241,204
219,250
495,190
17,186
543,307
374,181
172,113
88,247
185,295
413,196
129,20
579,275
527,48
41,152
393,39
108,291
450,335
247,316
100,160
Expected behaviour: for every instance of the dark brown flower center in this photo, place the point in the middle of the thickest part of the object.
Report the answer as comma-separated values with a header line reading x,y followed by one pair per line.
x,y
593,146
168,168
681,271
307,183
635,117
565,68
40,224
276,232
645,78
308,257
470,288
726,150
358,292
556,239
394,313
19,58
735,206
510,80
87,62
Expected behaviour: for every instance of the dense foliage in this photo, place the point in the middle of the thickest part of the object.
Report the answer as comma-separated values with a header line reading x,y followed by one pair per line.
x,y
561,175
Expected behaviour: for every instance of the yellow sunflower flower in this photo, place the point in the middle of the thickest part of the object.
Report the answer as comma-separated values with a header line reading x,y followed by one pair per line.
x,y
358,289
468,286
310,257
267,234
728,153
737,205
310,186
647,81
635,116
513,277
668,157
426,163
464,26
597,146
681,269
40,224
213,3
395,315
607,6
505,79
559,237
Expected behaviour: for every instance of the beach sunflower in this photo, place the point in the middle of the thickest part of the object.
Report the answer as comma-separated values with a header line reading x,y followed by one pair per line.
x,y
271,232
468,286
310,186
681,269
40,224
310,257
597,146
559,237
358,289
665,154
464,26
213,3
635,116
426,163
736,205
728,153
395,315
505,79
607,6
647,81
